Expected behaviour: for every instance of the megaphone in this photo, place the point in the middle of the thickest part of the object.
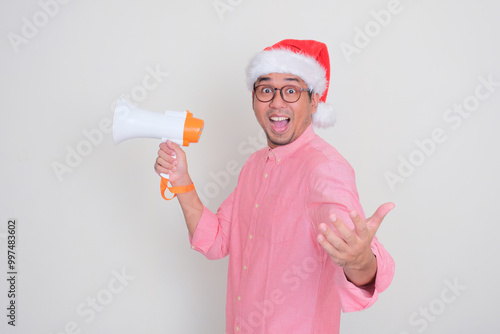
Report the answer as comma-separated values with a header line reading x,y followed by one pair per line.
x,y
178,126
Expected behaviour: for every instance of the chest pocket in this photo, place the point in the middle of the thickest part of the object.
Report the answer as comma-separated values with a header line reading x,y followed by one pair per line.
x,y
284,222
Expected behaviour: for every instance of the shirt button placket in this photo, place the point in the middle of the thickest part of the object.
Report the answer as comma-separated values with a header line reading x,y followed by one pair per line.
x,y
270,162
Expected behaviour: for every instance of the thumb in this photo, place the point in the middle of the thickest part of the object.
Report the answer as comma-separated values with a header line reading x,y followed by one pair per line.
x,y
380,213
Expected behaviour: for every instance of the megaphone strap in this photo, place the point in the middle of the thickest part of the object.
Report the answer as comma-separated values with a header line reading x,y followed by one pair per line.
x,y
174,190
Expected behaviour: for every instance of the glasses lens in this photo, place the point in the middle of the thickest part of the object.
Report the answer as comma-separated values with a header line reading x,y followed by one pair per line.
x,y
291,93
264,93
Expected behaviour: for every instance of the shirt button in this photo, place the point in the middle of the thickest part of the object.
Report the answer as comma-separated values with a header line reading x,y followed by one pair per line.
x,y
256,205
266,175
244,267
250,236
237,329
239,297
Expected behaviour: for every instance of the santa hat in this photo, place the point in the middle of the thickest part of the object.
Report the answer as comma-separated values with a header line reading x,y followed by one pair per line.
x,y
306,59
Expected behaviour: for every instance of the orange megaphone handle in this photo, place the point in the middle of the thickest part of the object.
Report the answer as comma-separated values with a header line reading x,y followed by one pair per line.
x,y
173,190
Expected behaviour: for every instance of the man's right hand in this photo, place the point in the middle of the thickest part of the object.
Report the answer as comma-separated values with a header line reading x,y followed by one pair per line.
x,y
172,162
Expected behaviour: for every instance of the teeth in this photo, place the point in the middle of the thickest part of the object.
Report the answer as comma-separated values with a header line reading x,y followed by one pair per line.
x,y
277,119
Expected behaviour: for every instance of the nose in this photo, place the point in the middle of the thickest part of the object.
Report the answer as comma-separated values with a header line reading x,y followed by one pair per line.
x,y
277,102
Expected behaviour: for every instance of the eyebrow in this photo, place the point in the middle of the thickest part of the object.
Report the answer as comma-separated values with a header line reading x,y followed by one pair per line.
x,y
261,79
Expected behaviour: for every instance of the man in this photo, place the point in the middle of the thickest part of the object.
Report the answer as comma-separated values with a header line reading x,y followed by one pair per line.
x,y
300,250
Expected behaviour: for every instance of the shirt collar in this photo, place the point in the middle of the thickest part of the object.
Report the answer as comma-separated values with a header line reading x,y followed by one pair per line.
x,y
282,152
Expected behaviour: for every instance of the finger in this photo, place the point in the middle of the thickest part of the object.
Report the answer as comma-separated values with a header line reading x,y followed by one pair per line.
x,y
328,247
376,219
162,171
332,238
359,224
165,160
162,168
167,157
344,231
165,148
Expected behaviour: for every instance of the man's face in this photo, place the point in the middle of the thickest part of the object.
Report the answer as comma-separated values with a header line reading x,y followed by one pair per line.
x,y
283,122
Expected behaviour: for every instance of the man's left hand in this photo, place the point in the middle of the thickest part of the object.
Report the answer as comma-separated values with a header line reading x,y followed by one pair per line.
x,y
351,249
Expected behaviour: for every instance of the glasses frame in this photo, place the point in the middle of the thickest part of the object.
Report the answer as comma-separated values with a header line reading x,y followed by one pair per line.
x,y
299,89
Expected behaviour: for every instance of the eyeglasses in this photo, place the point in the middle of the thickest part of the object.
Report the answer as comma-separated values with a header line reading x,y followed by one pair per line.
x,y
289,93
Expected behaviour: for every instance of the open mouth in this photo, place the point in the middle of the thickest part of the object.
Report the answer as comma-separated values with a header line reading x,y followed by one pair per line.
x,y
279,123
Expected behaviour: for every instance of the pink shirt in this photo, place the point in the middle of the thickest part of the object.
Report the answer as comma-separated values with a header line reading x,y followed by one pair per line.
x,y
280,280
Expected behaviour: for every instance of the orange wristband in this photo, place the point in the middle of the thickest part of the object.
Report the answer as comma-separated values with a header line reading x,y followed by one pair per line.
x,y
174,190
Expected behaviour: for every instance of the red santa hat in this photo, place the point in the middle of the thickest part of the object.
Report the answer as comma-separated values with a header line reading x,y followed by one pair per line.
x,y
306,59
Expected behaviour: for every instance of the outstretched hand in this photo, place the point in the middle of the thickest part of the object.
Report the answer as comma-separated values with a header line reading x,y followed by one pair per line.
x,y
351,248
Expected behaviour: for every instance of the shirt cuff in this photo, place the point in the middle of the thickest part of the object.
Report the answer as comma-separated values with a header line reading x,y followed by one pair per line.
x,y
354,298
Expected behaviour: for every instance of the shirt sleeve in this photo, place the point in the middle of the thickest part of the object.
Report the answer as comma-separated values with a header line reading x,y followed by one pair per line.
x,y
211,236
333,190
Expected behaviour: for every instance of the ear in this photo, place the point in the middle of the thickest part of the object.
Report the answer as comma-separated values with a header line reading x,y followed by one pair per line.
x,y
314,102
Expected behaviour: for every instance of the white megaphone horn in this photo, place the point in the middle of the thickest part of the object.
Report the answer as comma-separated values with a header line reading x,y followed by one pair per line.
x,y
131,122
178,126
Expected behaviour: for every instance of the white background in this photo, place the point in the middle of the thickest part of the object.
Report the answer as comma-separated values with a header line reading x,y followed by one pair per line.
x,y
102,214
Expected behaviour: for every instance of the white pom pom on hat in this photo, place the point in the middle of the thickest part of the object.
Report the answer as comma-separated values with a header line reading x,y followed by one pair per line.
x,y
306,59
